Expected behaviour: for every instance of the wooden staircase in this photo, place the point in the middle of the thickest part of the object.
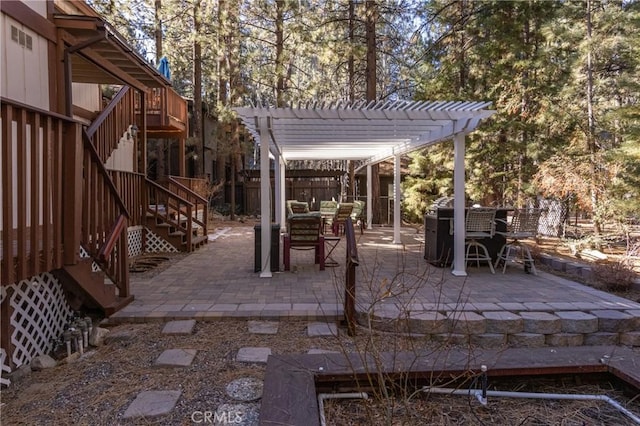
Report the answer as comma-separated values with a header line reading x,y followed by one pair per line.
x,y
96,290
178,216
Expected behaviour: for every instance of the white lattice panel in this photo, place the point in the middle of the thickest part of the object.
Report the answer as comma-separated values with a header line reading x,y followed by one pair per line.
x,y
40,311
135,240
5,368
157,244
84,255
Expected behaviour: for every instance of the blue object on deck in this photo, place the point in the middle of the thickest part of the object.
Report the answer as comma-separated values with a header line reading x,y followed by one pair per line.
x,y
163,67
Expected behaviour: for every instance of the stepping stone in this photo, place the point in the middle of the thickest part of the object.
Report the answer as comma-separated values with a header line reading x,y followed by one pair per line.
x,y
317,329
234,414
253,355
176,358
263,327
245,389
179,327
152,403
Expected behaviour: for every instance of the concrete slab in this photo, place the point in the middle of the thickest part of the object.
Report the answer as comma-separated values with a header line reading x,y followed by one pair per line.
x,y
253,354
318,329
263,327
152,404
176,358
179,327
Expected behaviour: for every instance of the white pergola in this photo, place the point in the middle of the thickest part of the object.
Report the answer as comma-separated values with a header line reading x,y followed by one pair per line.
x,y
370,132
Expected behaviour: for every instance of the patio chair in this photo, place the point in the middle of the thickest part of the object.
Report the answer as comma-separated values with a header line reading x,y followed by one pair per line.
x,y
344,211
328,211
296,207
479,224
357,214
303,232
523,224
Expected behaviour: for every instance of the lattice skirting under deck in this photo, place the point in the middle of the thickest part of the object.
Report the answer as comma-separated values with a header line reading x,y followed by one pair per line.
x,y
39,311
135,240
157,244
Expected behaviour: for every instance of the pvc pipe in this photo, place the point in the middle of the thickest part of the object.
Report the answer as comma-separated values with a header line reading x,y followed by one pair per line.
x,y
347,395
534,395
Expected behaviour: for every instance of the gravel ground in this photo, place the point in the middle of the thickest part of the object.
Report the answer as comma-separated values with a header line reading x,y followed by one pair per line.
x,y
97,388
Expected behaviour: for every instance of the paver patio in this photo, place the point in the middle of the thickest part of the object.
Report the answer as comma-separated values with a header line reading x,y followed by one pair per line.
x,y
392,279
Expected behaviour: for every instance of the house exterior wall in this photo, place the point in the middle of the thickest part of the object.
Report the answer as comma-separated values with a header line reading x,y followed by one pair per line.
x,y
87,96
24,66
122,157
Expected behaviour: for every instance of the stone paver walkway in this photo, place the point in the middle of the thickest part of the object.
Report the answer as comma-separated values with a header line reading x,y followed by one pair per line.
x,y
394,282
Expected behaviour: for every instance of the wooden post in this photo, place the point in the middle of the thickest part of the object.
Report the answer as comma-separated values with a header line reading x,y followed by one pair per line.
x,y
72,193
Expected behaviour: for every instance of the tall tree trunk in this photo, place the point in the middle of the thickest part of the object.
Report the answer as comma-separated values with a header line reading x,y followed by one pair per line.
x,y
158,30
280,53
352,88
161,144
197,88
591,143
371,17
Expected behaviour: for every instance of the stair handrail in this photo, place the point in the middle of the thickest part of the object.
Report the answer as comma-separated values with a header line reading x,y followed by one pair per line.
x,y
112,238
95,157
170,209
122,104
194,198
97,241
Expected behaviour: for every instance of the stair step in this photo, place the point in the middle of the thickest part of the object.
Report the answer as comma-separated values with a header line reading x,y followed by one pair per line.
x,y
118,304
198,240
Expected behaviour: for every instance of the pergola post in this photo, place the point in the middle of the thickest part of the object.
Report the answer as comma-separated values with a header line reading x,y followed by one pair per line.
x,y
265,198
397,198
369,198
459,262
278,188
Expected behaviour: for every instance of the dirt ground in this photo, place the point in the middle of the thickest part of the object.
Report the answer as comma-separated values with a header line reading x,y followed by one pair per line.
x,y
97,388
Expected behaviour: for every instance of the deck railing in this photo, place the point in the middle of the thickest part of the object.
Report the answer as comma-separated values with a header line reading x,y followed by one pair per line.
x,y
112,123
104,219
31,182
171,209
131,187
200,203
165,103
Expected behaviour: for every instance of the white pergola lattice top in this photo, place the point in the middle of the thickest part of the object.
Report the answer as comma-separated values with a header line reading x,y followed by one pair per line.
x,y
367,132
372,131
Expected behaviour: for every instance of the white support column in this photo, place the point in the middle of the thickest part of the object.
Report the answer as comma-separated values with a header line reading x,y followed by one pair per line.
x,y
397,198
265,201
369,198
282,200
459,263
277,182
